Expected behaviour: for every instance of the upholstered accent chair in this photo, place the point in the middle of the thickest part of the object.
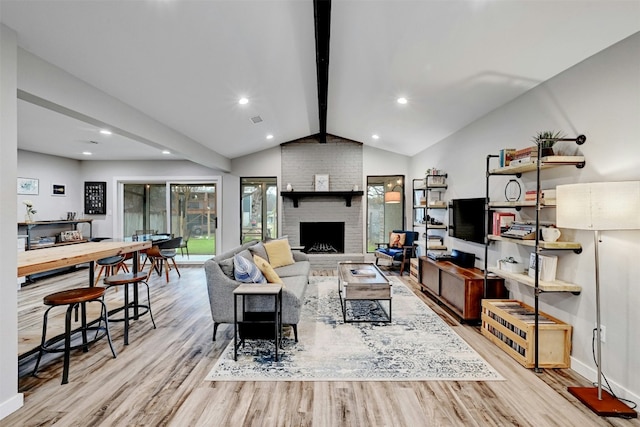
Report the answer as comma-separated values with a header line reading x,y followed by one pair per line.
x,y
399,250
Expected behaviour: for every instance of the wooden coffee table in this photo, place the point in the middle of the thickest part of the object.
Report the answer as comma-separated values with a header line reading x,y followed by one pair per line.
x,y
362,281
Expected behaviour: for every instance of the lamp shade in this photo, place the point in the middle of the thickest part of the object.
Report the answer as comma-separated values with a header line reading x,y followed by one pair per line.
x,y
392,197
599,206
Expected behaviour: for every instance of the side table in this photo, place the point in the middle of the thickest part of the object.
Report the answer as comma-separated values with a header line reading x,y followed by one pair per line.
x,y
256,317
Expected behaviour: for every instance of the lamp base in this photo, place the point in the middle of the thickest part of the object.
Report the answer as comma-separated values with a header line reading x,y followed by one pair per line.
x,y
609,406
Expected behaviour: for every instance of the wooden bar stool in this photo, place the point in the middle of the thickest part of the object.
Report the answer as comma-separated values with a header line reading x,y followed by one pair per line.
x,y
126,279
74,298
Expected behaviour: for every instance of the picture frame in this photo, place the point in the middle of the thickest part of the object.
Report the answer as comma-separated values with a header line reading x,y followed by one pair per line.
x,y
95,197
28,186
58,190
321,182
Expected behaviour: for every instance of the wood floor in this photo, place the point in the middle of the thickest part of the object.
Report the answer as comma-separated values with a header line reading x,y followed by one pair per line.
x,y
157,379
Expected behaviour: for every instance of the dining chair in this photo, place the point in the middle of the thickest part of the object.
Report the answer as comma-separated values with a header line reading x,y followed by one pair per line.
x,y
161,254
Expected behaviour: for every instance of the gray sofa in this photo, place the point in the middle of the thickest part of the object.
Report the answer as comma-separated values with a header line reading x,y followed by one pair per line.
x,y
220,284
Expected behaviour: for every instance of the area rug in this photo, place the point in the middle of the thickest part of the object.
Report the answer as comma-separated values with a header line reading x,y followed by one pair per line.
x,y
416,345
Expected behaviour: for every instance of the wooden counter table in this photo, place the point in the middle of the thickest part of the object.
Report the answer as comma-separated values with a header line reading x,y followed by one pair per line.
x,y
47,259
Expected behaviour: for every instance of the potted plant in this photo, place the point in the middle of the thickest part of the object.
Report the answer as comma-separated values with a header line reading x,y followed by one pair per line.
x,y
545,140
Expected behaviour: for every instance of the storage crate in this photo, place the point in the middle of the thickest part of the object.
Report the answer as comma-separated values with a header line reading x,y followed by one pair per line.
x,y
510,324
414,270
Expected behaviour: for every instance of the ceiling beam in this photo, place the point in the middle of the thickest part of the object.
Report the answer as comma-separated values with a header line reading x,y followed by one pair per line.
x,y
322,20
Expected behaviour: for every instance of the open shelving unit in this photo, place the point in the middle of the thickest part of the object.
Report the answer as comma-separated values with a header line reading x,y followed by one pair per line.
x,y
422,220
537,166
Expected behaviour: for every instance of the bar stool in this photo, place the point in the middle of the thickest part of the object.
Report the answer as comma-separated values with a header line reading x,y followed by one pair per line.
x,y
112,264
74,298
126,279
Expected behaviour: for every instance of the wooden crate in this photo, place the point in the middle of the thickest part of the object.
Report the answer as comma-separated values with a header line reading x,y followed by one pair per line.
x,y
414,270
510,325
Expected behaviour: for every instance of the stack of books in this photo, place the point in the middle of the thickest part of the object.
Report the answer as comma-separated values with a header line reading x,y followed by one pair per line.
x,y
506,155
547,197
524,156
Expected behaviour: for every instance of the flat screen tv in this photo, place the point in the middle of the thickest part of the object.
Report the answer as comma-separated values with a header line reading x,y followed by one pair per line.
x,y
467,219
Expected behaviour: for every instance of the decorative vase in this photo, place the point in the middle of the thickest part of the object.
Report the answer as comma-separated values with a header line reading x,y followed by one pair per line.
x,y
289,187
28,217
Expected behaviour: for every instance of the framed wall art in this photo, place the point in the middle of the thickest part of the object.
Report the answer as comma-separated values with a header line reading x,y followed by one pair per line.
x,y
58,190
28,186
95,198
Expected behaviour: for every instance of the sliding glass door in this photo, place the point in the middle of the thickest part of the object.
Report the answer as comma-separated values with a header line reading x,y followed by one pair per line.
x,y
145,209
258,208
187,210
193,216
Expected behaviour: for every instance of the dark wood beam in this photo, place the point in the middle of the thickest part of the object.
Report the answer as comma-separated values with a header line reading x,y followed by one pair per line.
x,y
322,19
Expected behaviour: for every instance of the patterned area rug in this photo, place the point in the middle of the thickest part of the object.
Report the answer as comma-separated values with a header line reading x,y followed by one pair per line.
x,y
417,345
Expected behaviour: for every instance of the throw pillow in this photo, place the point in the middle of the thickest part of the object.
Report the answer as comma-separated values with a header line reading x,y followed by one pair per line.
x,y
246,254
266,269
246,271
226,265
279,253
396,240
258,249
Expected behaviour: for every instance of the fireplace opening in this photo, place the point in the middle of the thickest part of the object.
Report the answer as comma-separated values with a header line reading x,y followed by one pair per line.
x,y
322,237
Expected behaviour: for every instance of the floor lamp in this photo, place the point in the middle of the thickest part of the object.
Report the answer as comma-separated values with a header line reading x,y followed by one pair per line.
x,y
598,207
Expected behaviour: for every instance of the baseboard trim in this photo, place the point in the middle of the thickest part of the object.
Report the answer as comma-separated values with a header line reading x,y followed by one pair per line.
x,y
11,405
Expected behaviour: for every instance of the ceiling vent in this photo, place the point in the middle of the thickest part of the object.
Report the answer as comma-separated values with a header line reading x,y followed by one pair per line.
x,y
256,120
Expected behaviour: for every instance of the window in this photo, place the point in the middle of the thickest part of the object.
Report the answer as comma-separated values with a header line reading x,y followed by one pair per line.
x,y
385,208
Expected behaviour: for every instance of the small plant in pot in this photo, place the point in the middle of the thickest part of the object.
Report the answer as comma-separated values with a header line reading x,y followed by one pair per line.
x,y
545,140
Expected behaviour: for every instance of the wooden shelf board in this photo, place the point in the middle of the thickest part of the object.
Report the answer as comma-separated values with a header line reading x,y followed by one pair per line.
x,y
437,248
554,286
546,162
437,227
541,244
520,204
436,187
436,207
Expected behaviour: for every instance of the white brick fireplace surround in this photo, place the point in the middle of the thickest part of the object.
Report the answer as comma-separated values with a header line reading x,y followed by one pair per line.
x,y
341,159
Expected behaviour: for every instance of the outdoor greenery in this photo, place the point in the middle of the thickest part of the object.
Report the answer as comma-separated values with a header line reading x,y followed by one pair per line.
x,y
202,246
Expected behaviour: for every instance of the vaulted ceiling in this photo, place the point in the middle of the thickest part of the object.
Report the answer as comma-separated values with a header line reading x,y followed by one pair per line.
x,y
187,63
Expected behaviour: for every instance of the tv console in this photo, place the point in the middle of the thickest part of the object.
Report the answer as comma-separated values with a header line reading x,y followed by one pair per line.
x,y
459,289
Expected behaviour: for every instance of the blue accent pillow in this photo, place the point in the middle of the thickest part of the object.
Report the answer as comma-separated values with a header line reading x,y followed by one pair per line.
x,y
246,271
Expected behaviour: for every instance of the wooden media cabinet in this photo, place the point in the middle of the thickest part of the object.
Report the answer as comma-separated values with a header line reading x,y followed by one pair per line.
x,y
459,289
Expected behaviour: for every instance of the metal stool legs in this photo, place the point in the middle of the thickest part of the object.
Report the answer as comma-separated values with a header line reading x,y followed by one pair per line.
x,y
48,345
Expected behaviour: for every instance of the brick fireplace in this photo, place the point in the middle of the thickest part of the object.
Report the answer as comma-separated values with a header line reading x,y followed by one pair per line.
x,y
341,159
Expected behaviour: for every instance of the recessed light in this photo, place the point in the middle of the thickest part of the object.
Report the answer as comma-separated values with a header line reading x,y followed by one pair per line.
x,y
269,136
105,131
86,153
166,152
375,136
402,100
243,101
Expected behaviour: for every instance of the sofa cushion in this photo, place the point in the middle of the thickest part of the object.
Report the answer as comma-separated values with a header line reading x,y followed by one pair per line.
x,y
246,254
259,249
266,269
226,265
279,253
300,268
246,271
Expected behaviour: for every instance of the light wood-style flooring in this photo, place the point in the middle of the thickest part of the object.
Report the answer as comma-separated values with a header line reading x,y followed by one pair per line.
x,y
158,379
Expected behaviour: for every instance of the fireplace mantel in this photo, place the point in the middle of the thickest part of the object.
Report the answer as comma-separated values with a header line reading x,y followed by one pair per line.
x,y
297,195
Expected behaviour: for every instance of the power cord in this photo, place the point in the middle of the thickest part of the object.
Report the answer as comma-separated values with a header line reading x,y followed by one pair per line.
x,y
608,388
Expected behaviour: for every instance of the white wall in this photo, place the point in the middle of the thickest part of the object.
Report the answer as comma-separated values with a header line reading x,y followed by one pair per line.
x,y
10,399
50,170
600,98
